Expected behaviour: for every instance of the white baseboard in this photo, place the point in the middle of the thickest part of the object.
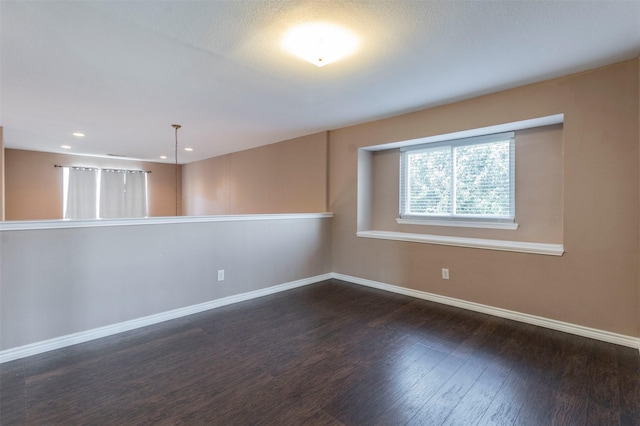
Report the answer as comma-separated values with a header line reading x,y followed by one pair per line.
x,y
96,333
605,336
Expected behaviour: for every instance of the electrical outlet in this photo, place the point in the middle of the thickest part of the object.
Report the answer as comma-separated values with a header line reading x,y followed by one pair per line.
x,y
445,274
220,274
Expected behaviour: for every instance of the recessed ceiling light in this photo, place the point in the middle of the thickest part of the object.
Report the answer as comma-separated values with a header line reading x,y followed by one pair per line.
x,y
164,157
320,43
78,134
65,146
188,149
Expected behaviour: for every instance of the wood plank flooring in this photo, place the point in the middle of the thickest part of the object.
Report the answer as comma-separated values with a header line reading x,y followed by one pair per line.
x,y
328,354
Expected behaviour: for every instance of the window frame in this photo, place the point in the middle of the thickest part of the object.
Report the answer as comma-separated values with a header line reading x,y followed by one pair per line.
x,y
453,219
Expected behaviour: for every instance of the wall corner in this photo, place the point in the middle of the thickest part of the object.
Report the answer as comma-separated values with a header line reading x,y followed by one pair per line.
x,y
2,214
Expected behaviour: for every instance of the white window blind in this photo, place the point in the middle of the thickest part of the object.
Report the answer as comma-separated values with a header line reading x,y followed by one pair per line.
x,y
463,179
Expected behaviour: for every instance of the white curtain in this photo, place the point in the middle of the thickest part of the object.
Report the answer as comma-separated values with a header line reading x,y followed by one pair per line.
x,y
112,201
121,194
135,194
82,194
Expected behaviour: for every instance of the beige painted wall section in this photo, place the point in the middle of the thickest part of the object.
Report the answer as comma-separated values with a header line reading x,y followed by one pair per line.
x,y
595,283
286,177
34,186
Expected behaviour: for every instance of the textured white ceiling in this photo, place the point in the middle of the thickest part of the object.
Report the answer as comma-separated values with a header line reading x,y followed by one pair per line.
x,y
123,71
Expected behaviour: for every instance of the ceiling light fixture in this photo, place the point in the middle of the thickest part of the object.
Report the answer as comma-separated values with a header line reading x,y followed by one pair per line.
x,y
320,43
188,149
164,157
176,126
65,146
78,134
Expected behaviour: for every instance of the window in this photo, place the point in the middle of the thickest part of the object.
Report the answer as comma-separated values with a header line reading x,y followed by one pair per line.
x,y
103,193
468,179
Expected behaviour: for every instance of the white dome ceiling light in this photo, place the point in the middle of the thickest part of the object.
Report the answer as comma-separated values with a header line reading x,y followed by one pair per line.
x,y
320,43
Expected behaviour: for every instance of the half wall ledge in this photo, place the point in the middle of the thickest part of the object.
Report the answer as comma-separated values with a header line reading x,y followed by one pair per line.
x,y
96,223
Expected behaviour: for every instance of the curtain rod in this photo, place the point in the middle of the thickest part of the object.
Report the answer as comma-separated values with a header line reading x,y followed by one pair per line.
x,y
106,170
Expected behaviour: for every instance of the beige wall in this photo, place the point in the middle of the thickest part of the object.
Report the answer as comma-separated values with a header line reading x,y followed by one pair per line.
x,y
538,189
286,177
34,186
595,283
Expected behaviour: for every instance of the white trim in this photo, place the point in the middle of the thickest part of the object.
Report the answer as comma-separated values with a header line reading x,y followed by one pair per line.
x,y
474,140
498,128
511,226
91,223
109,330
502,245
96,333
592,333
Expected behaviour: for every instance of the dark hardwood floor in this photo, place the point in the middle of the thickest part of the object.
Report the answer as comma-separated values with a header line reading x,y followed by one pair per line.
x,y
328,354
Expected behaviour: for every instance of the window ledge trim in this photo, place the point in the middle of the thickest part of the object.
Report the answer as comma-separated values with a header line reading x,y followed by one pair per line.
x,y
499,128
512,226
479,243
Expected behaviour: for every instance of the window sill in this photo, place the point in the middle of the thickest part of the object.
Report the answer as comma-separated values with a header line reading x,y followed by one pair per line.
x,y
459,223
501,245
